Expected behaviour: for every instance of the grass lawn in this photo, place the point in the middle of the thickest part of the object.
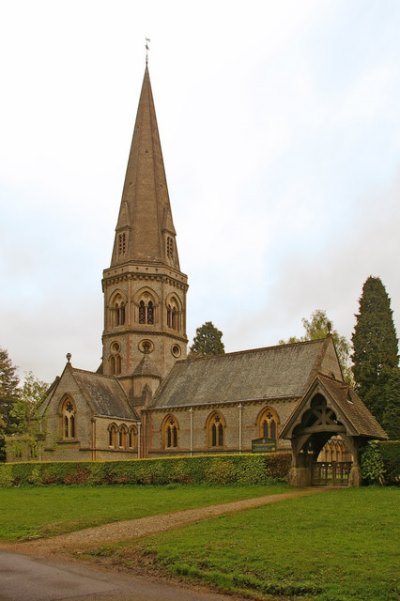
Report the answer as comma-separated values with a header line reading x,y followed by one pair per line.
x,y
30,512
341,545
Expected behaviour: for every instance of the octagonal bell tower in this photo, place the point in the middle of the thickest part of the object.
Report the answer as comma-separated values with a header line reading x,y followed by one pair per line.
x,y
144,288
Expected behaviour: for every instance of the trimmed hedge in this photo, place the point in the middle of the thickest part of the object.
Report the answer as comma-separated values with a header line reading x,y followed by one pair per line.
x,y
211,469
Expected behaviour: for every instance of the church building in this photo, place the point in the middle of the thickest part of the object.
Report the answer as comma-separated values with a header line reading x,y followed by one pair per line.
x,y
147,398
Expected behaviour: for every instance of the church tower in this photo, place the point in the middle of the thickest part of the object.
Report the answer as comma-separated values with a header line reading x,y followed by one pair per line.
x,y
144,288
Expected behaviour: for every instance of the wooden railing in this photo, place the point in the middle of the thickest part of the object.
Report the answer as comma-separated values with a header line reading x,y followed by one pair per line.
x,y
334,473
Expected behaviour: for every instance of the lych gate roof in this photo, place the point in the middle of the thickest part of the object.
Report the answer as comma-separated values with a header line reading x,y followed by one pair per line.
x,y
348,401
105,394
276,372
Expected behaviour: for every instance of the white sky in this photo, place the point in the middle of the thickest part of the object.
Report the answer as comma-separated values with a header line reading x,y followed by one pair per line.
x,y
280,127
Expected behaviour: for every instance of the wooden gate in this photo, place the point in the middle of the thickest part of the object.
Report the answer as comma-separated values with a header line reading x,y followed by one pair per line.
x,y
331,473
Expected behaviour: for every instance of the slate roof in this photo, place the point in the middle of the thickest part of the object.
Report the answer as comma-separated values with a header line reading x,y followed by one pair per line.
x,y
105,394
363,422
276,372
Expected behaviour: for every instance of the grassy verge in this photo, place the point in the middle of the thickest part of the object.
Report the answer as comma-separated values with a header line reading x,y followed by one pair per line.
x,y
30,512
342,545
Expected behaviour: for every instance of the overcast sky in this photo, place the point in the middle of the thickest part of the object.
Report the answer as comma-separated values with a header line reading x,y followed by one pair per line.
x,y
280,128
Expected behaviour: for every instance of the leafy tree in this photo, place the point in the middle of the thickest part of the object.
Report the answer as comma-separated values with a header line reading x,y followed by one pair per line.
x,y
319,326
208,341
8,395
25,408
375,347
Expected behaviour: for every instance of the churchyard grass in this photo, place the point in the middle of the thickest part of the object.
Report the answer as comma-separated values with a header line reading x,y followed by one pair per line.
x,y
341,545
31,512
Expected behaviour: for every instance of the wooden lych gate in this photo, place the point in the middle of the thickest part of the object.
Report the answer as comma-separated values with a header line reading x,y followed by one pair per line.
x,y
329,409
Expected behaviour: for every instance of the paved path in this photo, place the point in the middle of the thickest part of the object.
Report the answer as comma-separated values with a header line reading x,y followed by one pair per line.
x,y
25,578
49,576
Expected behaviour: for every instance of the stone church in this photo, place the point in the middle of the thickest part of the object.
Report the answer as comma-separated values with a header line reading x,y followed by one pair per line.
x,y
147,398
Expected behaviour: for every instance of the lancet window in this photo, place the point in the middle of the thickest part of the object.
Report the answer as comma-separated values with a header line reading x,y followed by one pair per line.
x,y
146,312
68,416
216,430
173,315
115,359
268,424
122,243
112,435
170,433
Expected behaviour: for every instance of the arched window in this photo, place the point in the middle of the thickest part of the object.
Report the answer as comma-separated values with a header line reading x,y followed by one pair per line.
x,y
268,424
122,437
112,435
132,440
115,359
173,314
216,430
118,309
68,417
146,312
170,432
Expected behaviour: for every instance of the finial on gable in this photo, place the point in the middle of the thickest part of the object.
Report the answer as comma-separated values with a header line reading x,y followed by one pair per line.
x,y
68,356
147,46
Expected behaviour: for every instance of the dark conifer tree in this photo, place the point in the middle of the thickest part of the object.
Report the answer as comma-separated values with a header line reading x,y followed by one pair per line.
x,y
208,341
375,345
391,397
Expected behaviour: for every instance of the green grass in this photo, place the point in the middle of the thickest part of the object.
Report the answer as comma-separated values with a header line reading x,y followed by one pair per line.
x,y
341,545
30,512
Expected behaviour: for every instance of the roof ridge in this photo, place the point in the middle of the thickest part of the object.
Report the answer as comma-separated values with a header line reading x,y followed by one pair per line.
x,y
252,350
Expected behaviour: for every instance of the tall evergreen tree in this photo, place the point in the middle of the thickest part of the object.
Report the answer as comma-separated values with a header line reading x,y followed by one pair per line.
x,y
375,346
391,398
208,341
9,393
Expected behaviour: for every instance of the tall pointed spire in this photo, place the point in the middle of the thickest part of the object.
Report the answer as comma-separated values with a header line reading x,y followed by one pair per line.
x,y
144,288
145,230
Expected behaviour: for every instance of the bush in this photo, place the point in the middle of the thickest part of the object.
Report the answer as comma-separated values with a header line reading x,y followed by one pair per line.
x,y
372,467
213,469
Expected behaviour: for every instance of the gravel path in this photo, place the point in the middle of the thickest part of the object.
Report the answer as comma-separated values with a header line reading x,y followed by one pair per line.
x,y
128,529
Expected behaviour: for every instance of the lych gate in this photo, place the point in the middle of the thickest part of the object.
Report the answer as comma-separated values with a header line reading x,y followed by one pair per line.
x,y
329,409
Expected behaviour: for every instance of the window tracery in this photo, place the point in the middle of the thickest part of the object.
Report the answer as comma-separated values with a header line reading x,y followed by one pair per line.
x,y
268,424
170,433
68,417
216,430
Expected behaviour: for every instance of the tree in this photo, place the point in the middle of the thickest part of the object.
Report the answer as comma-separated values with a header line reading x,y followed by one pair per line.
x,y
25,408
391,398
375,346
208,341
319,326
8,395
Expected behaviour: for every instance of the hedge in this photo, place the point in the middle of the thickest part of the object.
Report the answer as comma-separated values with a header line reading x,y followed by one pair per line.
x,y
210,469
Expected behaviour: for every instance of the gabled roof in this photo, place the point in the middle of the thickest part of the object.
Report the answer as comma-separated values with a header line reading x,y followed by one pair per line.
x,y
105,394
345,402
277,372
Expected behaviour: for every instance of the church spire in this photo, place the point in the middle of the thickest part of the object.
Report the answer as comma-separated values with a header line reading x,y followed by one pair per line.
x,y
145,230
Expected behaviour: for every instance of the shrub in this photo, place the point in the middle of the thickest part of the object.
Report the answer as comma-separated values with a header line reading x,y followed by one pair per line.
x,y
372,466
213,469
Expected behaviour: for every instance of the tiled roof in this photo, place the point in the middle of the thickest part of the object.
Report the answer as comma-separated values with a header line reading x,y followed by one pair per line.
x,y
363,422
104,393
268,373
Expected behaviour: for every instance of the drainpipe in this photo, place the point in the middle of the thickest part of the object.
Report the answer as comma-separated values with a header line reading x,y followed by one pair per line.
x,y
240,427
191,430
93,439
139,442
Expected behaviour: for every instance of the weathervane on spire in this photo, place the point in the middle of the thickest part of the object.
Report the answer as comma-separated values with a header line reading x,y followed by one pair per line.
x,y
147,40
